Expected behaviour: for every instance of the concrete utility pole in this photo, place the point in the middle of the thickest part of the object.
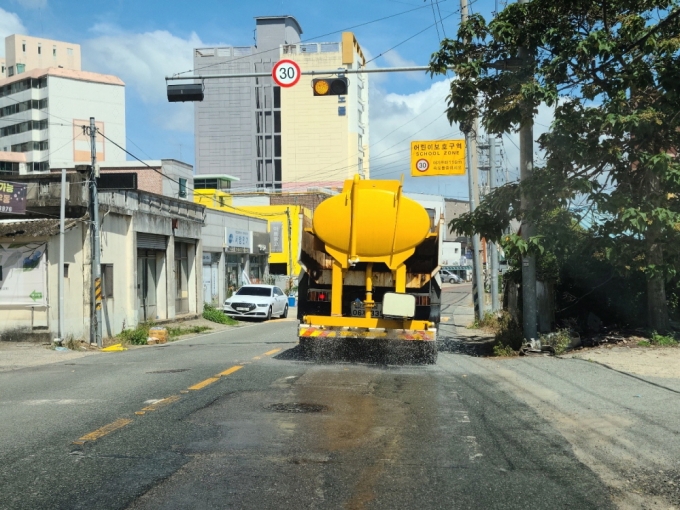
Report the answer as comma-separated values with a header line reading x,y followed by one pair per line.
x,y
473,186
493,249
96,297
60,271
526,168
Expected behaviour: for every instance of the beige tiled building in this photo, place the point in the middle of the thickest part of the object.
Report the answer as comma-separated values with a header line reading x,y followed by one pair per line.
x,y
24,53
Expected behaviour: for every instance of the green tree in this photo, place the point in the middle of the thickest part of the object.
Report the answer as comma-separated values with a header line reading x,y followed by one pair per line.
x,y
610,69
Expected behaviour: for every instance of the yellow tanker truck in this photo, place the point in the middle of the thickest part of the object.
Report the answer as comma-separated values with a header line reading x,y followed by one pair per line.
x,y
370,258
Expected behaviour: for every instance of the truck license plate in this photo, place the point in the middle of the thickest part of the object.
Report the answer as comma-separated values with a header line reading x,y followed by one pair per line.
x,y
358,310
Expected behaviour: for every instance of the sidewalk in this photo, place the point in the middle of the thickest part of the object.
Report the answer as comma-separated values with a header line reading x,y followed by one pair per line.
x,y
16,355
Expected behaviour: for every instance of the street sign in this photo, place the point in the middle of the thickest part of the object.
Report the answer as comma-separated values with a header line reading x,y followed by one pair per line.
x,y
437,157
286,73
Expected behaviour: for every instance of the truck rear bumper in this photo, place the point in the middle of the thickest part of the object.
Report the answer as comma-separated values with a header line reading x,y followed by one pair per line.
x,y
321,332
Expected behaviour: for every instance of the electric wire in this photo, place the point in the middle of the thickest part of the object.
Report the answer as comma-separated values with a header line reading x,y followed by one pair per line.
x,y
310,39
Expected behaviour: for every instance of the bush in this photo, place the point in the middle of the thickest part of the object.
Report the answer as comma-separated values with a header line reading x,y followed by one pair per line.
x,y
135,336
560,340
663,341
504,351
214,315
508,332
179,330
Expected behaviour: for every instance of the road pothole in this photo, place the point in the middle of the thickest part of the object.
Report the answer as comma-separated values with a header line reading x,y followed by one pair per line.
x,y
169,371
297,407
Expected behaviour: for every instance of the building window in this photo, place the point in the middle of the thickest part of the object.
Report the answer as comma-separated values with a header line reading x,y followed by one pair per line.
x,y
21,68
107,281
23,46
182,188
66,270
39,50
54,51
10,71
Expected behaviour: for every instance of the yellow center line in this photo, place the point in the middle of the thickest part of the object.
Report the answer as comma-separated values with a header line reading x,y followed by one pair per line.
x,y
230,371
203,384
161,403
273,351
106,429
257,357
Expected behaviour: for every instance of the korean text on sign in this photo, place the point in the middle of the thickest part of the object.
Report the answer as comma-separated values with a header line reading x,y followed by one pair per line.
x,y
437,157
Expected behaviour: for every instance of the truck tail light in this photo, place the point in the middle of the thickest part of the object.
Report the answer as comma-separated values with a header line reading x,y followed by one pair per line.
x,y
321,295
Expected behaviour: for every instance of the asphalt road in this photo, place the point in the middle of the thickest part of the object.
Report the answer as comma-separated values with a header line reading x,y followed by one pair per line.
x,y
159,428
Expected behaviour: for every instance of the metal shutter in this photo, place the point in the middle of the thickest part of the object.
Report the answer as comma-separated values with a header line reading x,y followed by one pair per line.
x,y
151,241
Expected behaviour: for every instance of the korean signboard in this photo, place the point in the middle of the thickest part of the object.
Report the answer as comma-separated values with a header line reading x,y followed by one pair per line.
x,y
23,270
276,236
239,241
12,198
437,157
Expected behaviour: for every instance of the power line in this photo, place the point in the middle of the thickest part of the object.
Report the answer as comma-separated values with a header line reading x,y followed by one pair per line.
x,y
311,38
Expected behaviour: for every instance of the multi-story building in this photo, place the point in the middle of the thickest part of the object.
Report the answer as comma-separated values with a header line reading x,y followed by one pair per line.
x,y
274,138
43,110
24,53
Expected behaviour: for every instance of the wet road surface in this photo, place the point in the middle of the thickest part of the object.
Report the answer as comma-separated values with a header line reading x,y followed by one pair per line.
x,y
237,420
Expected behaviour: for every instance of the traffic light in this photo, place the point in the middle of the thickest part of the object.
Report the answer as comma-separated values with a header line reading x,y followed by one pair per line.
x,y
330,86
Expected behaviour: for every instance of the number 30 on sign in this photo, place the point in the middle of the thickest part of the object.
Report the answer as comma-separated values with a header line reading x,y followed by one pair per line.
x,y
286,73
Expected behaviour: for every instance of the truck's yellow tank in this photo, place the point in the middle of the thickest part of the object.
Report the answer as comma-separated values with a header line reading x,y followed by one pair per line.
x,y
371,221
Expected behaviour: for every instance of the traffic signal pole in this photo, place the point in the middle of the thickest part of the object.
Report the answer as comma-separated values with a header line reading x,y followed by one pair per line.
x,y
338,71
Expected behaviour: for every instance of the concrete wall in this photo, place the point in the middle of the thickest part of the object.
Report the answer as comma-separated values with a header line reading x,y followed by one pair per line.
x,y
78,100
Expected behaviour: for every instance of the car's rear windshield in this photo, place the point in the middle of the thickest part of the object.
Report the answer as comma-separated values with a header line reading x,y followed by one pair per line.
x,y
254,291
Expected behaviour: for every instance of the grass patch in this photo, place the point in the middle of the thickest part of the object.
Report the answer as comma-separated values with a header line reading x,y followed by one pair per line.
x,y
663,340
504,351
135,336
490,322
214,315
507,332
179,330
644,343
560,340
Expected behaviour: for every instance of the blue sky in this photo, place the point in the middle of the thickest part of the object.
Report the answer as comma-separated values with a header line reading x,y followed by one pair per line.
x,y
142,41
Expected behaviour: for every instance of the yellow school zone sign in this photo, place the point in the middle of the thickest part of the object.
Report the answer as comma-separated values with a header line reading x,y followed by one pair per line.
x,y
437,157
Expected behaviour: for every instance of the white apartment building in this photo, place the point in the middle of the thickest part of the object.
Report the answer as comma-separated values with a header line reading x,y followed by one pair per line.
x,y
42,111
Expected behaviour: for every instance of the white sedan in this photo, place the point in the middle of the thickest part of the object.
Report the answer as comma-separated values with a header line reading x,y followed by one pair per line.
x,y
257,301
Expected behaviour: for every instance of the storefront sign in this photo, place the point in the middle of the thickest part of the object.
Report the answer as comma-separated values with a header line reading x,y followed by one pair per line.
x,y
276,234
23,271
12,198
239,241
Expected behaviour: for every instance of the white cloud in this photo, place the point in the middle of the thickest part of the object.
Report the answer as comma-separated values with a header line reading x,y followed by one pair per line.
x,y
398,119
141,60
32,4
10,24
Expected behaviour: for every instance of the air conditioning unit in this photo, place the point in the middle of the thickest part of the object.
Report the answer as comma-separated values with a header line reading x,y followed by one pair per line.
x,y
185,92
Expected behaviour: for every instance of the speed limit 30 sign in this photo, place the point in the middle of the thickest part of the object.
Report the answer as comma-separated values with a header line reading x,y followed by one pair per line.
x,y
286,73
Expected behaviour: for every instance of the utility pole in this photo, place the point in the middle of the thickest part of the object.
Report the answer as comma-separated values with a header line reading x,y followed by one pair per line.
x,y
493,249
60,271
96,278
473,185
526,168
